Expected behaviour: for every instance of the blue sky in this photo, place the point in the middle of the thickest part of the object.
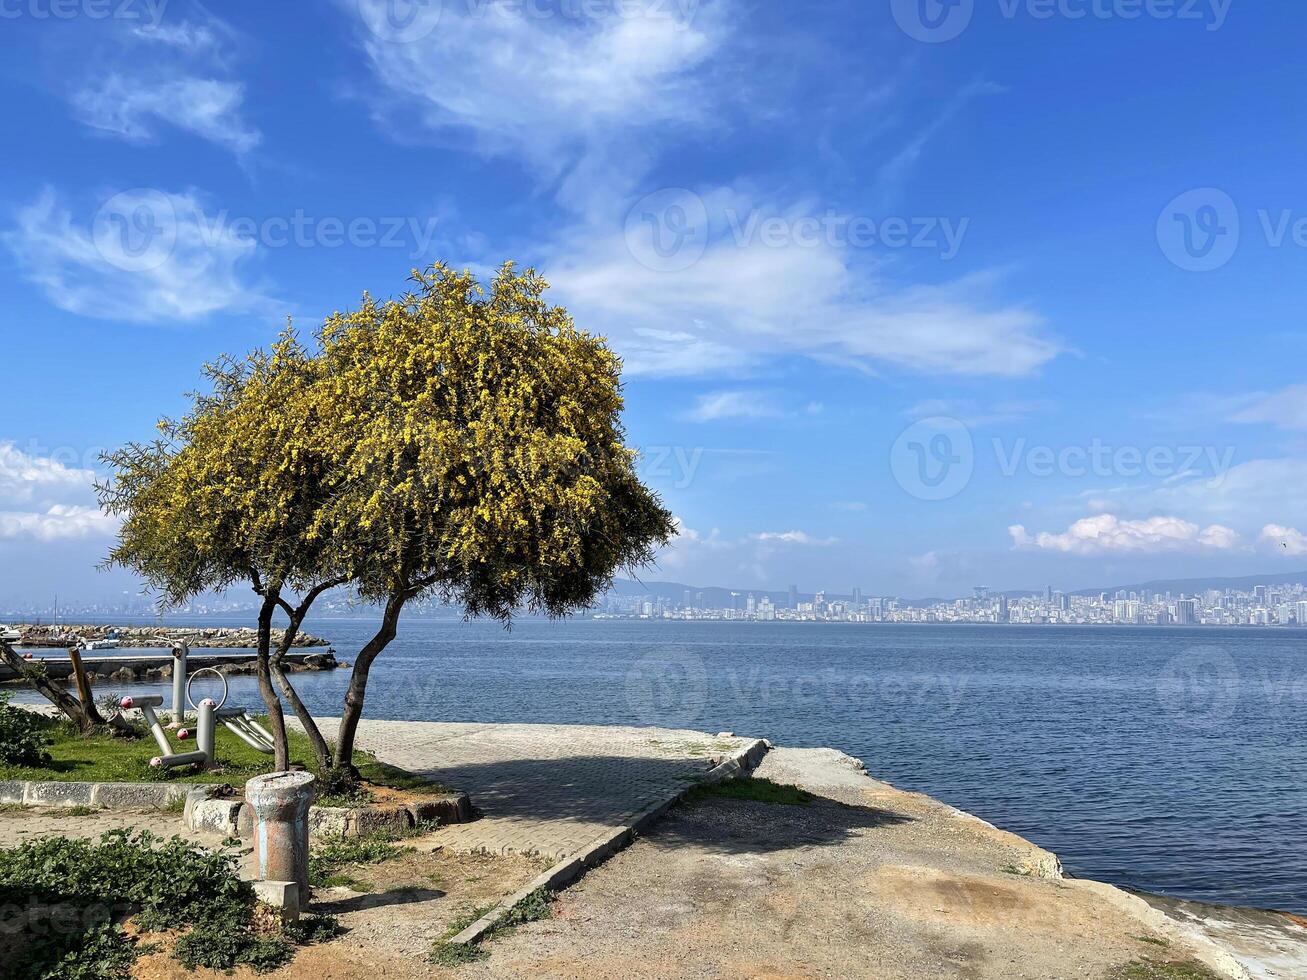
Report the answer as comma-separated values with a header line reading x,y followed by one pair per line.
x,y
911,296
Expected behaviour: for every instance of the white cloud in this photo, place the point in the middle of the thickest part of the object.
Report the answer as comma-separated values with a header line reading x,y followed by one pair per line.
x,y
147,256
742,302
1108,534
42,498
60,522
1284,540
560,92
592,104
751,555
735,405
24,476
1286,408
801,538
175,74
131,108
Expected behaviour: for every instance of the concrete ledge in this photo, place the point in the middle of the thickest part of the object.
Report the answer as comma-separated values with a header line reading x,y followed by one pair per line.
x,y
222,811
602,848
110,796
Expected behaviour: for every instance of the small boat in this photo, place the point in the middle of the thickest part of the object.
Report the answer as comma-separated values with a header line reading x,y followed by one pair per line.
x,y
109,644
9,634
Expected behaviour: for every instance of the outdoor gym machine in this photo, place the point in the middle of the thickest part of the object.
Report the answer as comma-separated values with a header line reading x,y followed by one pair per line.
x,y
237,720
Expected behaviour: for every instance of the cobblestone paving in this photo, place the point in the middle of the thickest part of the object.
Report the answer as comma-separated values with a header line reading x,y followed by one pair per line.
x,y
546,790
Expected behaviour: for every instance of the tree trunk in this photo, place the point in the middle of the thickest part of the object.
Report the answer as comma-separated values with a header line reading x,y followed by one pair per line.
x,y
320,747
84,716
352,713
276,716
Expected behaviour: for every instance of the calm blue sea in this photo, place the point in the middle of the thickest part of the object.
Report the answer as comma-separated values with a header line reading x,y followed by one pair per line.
x,y
1168,760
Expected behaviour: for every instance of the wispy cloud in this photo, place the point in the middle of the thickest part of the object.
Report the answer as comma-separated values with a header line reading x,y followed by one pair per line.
x,y
565,94
1286,408
748,403
168,75
145,257
132,108
739,304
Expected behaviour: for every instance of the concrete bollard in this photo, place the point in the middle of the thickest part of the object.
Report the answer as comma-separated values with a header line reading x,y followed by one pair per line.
x,y
280,802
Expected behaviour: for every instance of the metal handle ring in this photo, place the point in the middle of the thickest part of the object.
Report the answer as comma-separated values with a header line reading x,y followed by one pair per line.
x,y
213,670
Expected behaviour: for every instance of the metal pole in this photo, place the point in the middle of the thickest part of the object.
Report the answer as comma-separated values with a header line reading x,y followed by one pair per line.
x,y
179,653
204,730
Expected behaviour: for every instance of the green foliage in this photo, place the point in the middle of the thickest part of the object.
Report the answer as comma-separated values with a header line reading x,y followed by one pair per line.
x,y
335,852
447,954
756,790
310,929
1153,970
23,736
160,884
102,952
536,906
223,945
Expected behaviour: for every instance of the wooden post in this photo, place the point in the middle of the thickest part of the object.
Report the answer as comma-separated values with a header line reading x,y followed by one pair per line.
x,y
83,684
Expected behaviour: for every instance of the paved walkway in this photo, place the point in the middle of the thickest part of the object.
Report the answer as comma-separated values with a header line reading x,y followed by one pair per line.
x,y
546,790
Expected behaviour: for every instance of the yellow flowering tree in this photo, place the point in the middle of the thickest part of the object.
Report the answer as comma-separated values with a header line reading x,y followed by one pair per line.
x,y
460,442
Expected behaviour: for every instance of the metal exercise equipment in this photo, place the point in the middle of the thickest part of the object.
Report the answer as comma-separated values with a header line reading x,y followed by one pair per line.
x,y
203,754
238,721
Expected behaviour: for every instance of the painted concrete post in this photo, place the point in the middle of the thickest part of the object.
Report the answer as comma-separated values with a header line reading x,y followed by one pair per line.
x,y
280,802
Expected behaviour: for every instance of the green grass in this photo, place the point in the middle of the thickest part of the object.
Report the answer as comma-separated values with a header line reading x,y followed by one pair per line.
x,y
332,855
1150,940
106,758
756,790
1149,970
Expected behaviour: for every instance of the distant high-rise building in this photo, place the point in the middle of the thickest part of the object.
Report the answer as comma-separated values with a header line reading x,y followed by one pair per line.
x,y
1048,594
1259,593
857,596
1186,612
751,604
794,597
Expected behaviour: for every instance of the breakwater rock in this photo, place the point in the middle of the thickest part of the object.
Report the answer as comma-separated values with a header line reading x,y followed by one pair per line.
x,y
152,637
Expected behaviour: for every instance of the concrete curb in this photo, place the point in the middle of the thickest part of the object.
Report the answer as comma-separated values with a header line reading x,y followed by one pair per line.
x,y
222,810
110,796
572,867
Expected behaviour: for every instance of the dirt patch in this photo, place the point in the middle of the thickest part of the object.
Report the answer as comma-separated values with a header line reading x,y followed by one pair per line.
x,y
388,930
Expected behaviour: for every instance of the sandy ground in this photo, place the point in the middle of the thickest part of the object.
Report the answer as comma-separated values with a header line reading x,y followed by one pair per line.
x,y
866,882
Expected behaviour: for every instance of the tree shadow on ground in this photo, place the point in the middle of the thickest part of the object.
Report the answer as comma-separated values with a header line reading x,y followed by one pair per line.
x,y
732,826
377,900
611,789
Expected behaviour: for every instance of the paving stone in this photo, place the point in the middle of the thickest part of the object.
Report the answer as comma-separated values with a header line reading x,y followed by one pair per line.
x,y
548,790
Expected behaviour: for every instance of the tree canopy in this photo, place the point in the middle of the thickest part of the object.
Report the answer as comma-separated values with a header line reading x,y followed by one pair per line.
x,y
459,441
